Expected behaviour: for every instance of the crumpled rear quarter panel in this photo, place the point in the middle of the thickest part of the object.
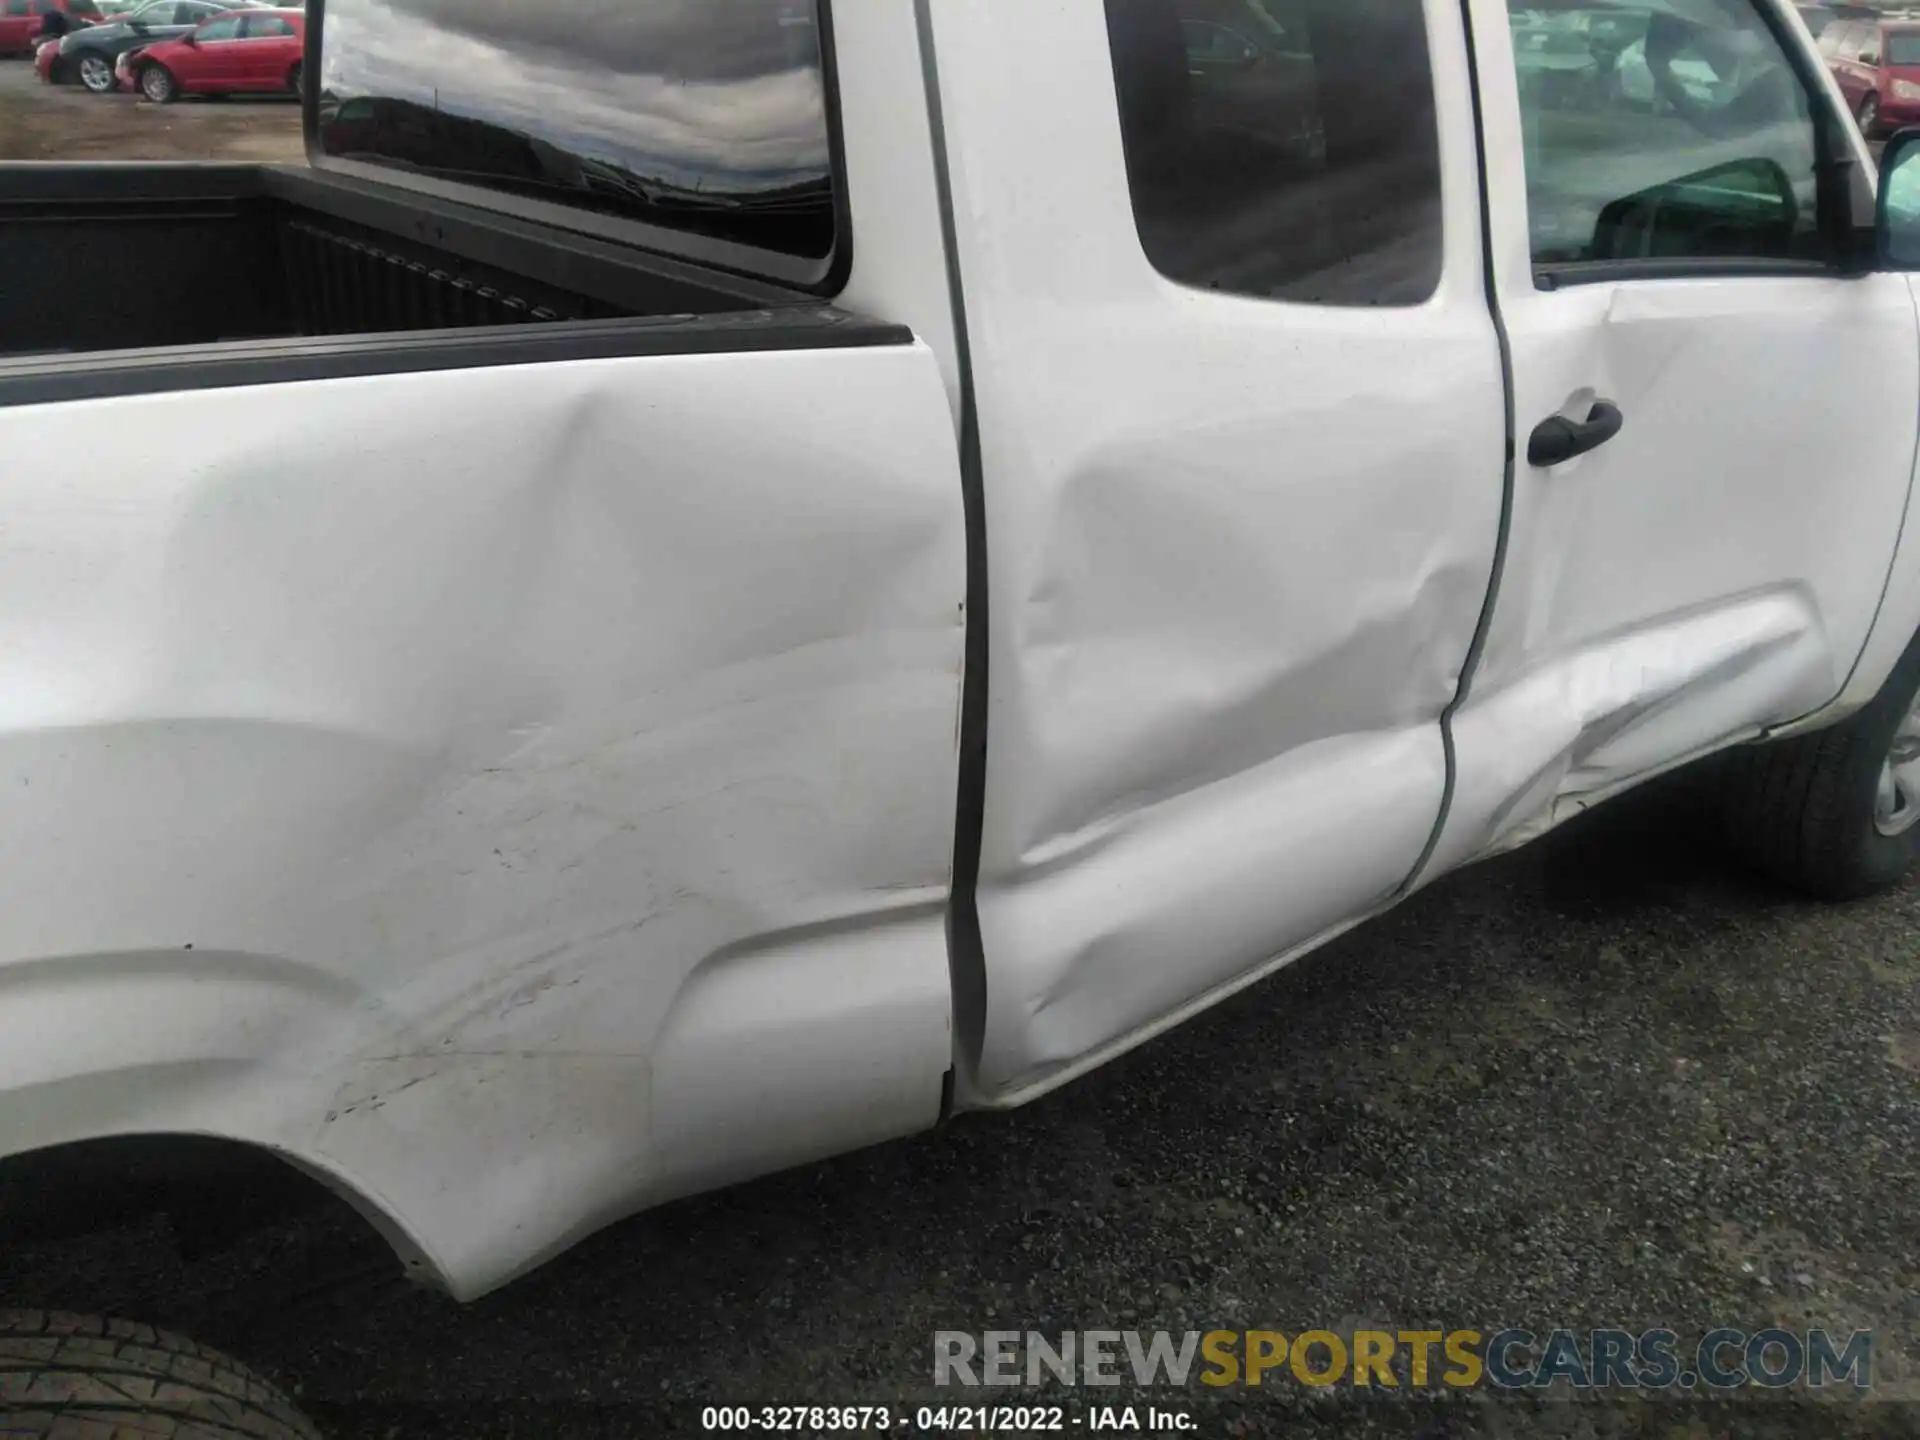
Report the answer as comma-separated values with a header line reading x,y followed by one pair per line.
x,y
485,786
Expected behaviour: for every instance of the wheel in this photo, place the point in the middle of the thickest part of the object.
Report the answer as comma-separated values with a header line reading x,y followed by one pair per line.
x,y
70,1377
1836,814
1869,113
293,78
96,73
158,85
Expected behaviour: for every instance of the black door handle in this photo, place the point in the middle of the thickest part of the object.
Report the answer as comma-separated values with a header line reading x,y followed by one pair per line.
x,y
1557,439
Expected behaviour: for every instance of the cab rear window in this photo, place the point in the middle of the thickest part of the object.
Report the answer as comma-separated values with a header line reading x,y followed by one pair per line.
x,y
1903,47
1283,149
700,121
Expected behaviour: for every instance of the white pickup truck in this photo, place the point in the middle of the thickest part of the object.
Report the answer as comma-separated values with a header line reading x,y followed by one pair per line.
x,y
712,584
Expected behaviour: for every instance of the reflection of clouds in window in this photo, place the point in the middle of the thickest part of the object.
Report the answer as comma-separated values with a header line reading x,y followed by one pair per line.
x,y
675,89
701,39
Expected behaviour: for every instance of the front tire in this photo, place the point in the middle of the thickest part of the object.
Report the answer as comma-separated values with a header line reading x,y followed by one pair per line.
x,y
80,1376
1869,114
1836,814
158,85
96,74
294,78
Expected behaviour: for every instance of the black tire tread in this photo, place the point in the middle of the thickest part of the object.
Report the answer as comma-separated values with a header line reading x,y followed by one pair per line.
x,y
86,1377
1799,810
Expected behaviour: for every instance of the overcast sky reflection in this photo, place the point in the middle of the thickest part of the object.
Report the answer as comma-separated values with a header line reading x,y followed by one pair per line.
x,y
682,90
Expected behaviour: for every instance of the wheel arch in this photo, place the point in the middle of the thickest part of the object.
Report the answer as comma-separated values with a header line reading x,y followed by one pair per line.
x,y
222,1184
191,1053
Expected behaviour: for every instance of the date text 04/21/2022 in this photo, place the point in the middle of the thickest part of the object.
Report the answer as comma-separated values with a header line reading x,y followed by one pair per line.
x,y
945,1419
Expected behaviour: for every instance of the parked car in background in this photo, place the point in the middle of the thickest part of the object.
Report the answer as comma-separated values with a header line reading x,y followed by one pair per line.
x,y
1571,56
1816,18
1552,56
1636,84
254,52
1248,73
1877,63
1610,33
88,55
24,22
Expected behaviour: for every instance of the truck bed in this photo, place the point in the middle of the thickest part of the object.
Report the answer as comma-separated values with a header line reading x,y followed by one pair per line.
x,y
135,256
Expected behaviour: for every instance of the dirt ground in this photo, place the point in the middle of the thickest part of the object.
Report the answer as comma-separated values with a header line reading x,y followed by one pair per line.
x,y
64,122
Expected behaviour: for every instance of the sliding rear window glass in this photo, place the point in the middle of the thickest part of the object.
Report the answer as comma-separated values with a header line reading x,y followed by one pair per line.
x,y
706,119
1285,149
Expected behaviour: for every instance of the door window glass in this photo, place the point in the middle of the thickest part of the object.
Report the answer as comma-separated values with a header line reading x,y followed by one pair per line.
x,y
260,27
227,29
1211,44
1694,140
1261,157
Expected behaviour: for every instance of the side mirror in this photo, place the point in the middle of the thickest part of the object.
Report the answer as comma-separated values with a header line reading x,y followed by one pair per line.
x,y
1897,221
1748,200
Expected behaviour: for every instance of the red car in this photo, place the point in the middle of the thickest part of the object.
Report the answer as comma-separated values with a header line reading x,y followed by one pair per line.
x,y
245,52
1877,63
24,22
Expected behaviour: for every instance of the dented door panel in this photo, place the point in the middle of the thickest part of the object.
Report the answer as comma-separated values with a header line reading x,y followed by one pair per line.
x,y
1769,439
1712,571
1574,729
1237,549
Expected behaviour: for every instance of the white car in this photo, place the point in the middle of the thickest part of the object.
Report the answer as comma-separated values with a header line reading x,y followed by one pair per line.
x,y
660,613
1636,77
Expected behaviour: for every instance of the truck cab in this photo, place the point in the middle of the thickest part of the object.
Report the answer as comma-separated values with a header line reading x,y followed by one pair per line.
x,y
706,590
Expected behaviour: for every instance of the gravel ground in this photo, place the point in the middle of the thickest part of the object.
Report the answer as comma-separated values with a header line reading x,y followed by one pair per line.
x,y
64,122
1604,1081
